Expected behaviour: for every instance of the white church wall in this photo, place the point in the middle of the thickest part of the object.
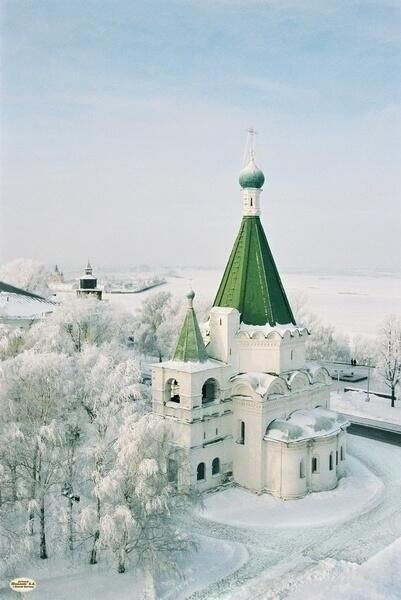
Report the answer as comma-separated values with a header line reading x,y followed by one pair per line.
x,y
222,451
324,478
247,449
224,324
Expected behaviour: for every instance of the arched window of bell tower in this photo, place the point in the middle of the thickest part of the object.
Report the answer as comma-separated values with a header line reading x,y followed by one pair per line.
x,y
173,391
210,391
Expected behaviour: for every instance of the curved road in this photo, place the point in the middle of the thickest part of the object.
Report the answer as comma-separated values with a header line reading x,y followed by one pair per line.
x,y
284,550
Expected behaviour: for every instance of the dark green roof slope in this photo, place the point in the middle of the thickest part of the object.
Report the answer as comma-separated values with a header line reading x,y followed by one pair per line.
x,y
190,346
11,289
251,282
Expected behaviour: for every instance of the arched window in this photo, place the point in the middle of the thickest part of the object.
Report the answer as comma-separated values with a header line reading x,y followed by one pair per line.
x,y
216,466
209,391
302,469
173,391
200,472
331,461
315,464
342,453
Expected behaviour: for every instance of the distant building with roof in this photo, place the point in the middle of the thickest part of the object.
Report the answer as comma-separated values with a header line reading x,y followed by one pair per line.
x,y
241,399
56,277
20,308
88,284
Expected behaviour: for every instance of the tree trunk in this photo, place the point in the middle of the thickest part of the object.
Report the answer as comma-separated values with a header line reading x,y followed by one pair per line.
x,y
31,515
71,529
93,558
13,470
122,554
43,550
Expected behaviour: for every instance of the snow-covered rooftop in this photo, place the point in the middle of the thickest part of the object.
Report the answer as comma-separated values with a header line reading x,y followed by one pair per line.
x,y
190,367
306,424
259,382
16,306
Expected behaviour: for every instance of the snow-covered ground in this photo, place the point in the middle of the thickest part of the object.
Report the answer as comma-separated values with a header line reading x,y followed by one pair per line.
x,y
281,555
55,582
310,548
357,493
354,403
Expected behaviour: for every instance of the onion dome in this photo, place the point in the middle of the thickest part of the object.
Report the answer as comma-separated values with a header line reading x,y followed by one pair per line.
x,y
251,176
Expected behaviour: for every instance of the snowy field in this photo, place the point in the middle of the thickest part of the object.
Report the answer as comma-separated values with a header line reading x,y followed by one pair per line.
x,y
256,547
355,304
354,403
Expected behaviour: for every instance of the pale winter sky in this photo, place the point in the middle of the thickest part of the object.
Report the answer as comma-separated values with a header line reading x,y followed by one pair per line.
x,y
123,130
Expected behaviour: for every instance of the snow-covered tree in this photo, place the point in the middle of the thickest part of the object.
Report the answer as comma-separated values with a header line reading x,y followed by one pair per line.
x,y
109,384
156,325
26,274
143,523
11,341
37,396
389,354
78,322
324,343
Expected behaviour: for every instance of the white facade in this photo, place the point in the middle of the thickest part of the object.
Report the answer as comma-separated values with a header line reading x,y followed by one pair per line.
x,y
251,411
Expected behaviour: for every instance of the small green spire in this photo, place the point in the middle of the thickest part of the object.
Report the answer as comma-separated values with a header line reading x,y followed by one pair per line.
x,y
190,346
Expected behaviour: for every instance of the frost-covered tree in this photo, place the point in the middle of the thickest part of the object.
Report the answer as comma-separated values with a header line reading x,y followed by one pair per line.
x,y
109,380
156,325
37,395
142,525
324,343
78,322
389,354
26,274
11,341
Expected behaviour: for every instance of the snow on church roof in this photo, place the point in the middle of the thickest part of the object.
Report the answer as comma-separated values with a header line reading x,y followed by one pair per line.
x,y
306,424
259,382
267,329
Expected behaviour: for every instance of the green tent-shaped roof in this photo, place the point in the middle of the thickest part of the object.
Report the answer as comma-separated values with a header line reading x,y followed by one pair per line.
x,y
251,282
190,346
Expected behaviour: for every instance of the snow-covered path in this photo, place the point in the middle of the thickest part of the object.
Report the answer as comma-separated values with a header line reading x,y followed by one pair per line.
x,y
274,552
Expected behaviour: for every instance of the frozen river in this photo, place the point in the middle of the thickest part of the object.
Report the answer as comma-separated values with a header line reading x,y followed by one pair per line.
x,y
354,304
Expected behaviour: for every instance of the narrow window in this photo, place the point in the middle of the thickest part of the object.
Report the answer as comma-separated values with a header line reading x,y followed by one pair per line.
x,y
242,432
172,471
216,466
173,391
331,461
221,322
342,452
200,472
292,354
302,469
336,457
251,201
314,464
204,435
217,431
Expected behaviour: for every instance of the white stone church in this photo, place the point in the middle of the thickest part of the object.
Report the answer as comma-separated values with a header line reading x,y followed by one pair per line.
x,y
241,399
